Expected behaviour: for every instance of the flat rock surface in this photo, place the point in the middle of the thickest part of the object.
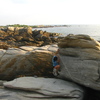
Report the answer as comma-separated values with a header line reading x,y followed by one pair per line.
x,y
46,87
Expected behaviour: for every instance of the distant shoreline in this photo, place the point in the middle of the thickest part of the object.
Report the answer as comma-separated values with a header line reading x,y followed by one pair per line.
x,y
35,26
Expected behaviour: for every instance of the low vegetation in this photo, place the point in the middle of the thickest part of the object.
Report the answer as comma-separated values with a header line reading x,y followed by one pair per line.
x,y
35,26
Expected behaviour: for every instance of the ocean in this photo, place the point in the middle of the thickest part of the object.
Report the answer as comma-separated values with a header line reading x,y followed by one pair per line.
x,y
91,30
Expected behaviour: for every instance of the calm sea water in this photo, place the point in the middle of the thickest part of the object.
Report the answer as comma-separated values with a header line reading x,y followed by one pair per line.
x,y
91,30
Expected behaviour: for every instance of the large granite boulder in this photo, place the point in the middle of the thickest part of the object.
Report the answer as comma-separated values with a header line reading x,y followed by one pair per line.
x,y
80,60
27,30
47,88
19,29
79,41
26,60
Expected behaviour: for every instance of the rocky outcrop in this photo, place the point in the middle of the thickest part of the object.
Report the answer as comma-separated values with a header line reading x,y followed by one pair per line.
x,y
79,41
80,60
79,64
21,36
26,61
47,88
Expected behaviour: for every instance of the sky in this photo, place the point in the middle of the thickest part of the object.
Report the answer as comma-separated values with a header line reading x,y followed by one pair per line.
x,y
49,12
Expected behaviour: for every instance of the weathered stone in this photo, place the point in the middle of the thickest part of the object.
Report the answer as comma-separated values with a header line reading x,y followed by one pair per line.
x,y
10,28
48,87
80,60
86,53
79,41
24,36
18,38
15,62
28,48
2,32
4,45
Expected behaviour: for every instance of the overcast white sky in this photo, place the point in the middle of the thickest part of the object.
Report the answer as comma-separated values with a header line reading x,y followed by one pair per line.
x,y
47,12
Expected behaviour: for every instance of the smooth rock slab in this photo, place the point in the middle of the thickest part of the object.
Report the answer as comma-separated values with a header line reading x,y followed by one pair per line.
x,y
47,87
6,94
84,72
28,48
15,51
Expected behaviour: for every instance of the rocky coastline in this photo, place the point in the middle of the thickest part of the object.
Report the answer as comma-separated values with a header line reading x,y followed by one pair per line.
x,y
26,66
24,36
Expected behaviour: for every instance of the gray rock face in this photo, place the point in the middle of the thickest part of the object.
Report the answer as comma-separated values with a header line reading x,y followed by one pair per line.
x,y
81,62
47,87
84,72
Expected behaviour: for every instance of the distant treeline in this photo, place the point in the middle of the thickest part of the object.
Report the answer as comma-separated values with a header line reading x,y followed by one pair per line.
x,y
18,25
35,26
